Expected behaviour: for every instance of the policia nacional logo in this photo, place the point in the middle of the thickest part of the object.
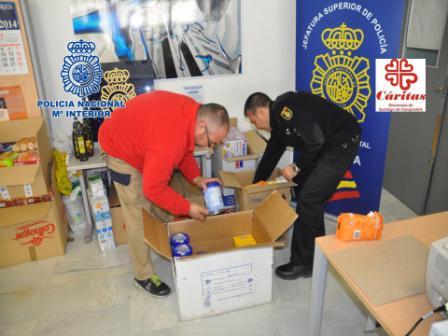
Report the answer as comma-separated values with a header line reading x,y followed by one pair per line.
x,y
117,88
286,113
340,77
81,72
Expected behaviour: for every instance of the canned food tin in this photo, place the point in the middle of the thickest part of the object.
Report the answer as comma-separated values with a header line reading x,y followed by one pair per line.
x,y
213,198
182,250
179,238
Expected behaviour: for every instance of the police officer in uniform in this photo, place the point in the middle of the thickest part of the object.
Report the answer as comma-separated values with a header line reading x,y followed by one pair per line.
x,y
327,139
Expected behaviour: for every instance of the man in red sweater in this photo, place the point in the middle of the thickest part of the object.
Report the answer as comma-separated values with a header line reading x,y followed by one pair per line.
x,y
146,141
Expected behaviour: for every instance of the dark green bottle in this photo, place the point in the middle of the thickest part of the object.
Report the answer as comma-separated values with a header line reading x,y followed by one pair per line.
x,y
88,136
80,141
76,125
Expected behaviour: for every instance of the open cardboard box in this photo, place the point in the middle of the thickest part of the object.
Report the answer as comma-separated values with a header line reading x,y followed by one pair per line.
x,y
33,232
178,183
26,180
218,277
250,195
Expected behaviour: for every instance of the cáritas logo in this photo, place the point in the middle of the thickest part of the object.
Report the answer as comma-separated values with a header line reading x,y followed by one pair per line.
x,y
34,233
400,85
400,73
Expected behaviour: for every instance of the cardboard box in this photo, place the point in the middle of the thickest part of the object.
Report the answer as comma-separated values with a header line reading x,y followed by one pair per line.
x,y
238,163
178,183
248,195
26,180
33,232
235,144
218,277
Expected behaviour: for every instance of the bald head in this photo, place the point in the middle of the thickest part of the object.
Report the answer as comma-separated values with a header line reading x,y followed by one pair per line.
x,y
212,125
214,115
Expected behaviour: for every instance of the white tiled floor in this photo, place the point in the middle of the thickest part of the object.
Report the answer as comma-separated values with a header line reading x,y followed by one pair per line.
x,y
89,293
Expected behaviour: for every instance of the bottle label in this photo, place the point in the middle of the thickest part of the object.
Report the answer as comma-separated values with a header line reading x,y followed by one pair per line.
x,y
82,148
89,145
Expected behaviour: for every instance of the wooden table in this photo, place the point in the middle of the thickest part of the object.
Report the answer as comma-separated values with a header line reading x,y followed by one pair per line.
x,y
396,317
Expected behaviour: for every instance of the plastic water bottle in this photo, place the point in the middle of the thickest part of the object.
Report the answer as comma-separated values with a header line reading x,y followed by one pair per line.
x,y
213,198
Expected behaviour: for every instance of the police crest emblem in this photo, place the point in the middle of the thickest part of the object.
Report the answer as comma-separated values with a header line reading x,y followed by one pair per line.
x,y
341,77
81,72
286,113
117,88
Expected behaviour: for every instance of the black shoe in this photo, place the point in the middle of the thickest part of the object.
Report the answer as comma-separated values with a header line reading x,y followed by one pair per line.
x,y
291,272
154,286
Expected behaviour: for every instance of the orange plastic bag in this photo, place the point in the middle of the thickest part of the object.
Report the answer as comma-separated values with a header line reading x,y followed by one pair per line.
x,y
352,227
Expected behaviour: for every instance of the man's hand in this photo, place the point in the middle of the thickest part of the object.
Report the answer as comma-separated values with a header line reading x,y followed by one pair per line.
x,y
197,212
201,182
291,171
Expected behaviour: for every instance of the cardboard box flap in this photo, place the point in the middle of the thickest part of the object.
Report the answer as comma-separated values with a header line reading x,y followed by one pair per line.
x,y
18,175
229,180
14,130
243,157
190,190
256,144
259,188
181,185
156,234
114,201
244,179
272,218
25,213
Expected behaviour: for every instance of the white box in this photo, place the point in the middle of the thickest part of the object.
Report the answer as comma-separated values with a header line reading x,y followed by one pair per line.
x,y
222,282
220,277
235,144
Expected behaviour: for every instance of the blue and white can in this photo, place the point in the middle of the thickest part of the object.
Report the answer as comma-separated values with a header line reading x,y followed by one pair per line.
x,y
182,250
179,239
213,198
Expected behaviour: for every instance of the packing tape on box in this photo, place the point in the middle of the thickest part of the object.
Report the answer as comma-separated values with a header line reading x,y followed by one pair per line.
x,y
28,190
32,252
4,193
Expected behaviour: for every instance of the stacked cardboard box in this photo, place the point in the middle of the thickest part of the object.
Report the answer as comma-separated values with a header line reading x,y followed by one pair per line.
x,y
32,232
31,180
220,277
249,195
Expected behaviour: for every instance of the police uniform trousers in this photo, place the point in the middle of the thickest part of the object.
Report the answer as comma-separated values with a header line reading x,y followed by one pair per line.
x,y
316,183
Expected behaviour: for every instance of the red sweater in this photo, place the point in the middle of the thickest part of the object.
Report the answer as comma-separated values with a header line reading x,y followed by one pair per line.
x,y
154,133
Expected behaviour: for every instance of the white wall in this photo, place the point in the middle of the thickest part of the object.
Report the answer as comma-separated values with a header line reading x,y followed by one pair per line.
x,y
268,51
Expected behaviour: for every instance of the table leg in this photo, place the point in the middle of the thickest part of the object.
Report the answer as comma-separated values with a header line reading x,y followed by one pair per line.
x,y
206,165
318,285
85,201
370,325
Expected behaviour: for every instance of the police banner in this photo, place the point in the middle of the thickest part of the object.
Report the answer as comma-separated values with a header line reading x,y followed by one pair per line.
x,y
337,44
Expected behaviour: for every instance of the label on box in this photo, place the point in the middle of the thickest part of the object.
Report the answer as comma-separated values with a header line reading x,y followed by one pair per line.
x,y
28,190
4,193
34,233
227,283
229,200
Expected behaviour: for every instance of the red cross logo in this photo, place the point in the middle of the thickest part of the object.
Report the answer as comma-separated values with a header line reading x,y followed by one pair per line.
x,y
399,72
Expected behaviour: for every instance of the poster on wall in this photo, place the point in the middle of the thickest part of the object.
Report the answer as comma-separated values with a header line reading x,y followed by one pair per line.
x,y
177,38
122,81
337,44
12,52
